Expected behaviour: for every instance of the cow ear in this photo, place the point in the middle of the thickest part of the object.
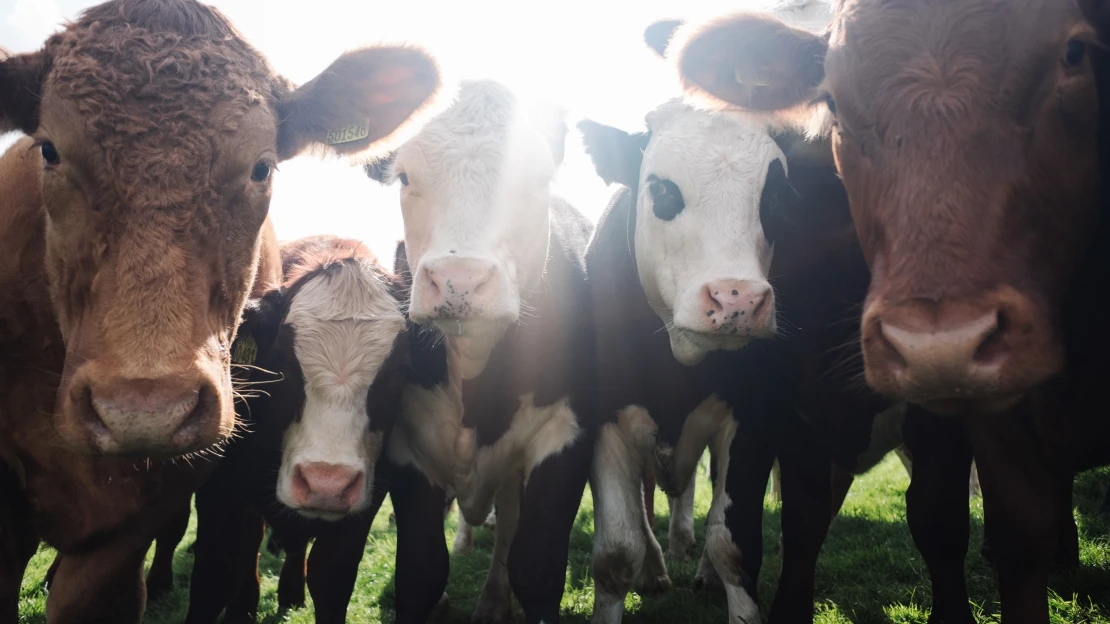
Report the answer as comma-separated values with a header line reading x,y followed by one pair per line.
x,y
360,101
659,35
752,61
21,80
254,341
380,169
811,200
551,122
616,154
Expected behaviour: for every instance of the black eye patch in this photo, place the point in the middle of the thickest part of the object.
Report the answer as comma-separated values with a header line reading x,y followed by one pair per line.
x,y
666,199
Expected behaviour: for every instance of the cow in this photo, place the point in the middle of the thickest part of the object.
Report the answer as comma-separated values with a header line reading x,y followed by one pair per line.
x,y
503,416
133,230
328,357
972,140
724,229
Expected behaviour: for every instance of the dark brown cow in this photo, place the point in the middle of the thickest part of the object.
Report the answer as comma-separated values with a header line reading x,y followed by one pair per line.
x,y
334,337
971,138
131,233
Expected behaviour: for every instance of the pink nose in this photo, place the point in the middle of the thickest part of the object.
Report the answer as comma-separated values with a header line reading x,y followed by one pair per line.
x,y
733,303
458,287
139,416
321,486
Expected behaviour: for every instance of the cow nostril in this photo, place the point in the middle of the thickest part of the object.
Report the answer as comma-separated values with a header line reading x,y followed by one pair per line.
x,y
431,285
299,485
353,491
485,285
993,346
712,303
894,358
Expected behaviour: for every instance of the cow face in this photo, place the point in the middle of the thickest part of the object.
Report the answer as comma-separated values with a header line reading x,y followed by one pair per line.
x,y
338,338
475,194
967,137
159,130
709,189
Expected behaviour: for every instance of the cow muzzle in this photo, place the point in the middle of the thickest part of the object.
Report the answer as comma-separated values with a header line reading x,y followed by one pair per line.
x,y
159,417
977,355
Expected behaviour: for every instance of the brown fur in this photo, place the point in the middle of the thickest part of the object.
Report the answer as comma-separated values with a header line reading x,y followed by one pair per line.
x,y
128,262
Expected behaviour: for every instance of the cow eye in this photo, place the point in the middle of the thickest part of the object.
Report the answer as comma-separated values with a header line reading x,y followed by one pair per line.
x,y
50,153
666,199
261,171
1074,52
831,103
404,178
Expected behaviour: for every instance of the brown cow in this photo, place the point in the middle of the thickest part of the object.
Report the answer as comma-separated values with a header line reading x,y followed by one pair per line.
x,y
969,138
130,234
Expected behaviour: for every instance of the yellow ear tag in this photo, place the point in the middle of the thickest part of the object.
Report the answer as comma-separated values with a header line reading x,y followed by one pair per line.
x,y
245,350
348,134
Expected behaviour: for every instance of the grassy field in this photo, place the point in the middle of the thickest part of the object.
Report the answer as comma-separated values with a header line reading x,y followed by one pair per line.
x,y
869,571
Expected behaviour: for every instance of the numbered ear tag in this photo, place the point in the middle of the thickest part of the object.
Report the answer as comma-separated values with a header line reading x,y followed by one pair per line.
x,y
245,350
348,134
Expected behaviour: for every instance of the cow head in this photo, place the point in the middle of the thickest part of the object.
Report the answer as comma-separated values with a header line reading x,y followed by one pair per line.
x,y
967,137
475,197
711,196
336,334
159,129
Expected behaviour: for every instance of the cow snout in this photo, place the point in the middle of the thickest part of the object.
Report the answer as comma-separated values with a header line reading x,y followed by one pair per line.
x,y
738,306
945,355
457,288
148,417
332,488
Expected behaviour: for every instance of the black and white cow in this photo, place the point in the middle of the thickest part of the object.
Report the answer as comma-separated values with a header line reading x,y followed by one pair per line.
x,y
326,357
695,348
498,275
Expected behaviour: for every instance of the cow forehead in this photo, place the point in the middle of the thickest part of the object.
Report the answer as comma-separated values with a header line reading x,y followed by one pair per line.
x,y
156,104
700,149
974,55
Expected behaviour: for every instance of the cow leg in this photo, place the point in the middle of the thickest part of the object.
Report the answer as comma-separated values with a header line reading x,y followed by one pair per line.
x,y
805,471
538,557
1067,551
734,526
707,578
680,535
649,497
291,582
937,509
333,565
159,580
1022,503
52,570
103,585
619,545
246,590
495,604
841,483
18,543
464,537
220,517
422,559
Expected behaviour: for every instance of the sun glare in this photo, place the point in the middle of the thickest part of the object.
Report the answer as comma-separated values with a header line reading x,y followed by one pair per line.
x,y
587,56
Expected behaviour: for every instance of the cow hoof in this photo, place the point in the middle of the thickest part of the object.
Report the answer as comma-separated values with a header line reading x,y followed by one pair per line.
x,y
707,580
655,586
441,613
680,547
492,613
158,588
286,603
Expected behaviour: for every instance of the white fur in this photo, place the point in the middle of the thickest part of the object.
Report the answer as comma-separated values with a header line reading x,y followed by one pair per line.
x,y
719,162
680,532
345,324
479,188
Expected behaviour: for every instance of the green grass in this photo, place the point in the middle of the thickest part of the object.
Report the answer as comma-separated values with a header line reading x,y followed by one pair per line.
x,y
869,571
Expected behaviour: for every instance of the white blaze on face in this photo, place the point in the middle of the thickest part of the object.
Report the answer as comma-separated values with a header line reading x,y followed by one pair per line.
x,y
345,323
475,197
701,252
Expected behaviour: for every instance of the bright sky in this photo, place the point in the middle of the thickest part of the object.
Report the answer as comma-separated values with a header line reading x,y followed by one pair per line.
x,y
587,55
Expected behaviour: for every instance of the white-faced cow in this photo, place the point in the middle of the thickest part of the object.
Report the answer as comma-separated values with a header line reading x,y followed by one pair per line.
x,y
498,268
327,355
132,228
972,138
718,207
